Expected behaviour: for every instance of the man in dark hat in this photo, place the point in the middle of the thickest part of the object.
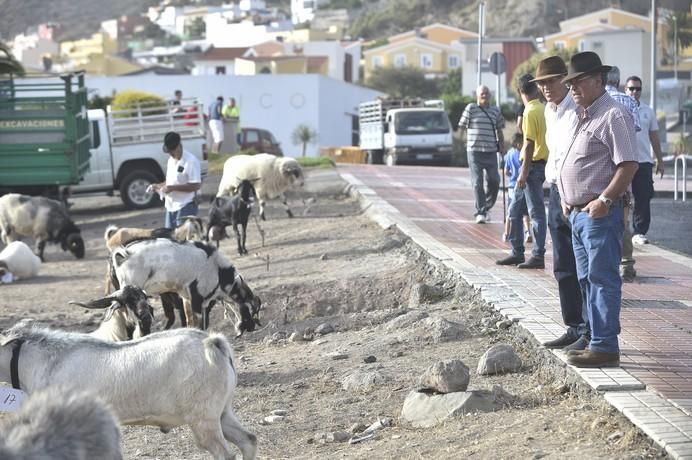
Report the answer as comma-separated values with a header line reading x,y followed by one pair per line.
x,y
183,180
599,165
561,120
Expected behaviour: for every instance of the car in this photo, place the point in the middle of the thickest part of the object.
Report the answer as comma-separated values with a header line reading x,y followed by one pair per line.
x,y
259,140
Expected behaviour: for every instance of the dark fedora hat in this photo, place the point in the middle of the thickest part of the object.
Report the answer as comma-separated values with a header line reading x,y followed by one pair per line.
x,y
550,67
587,62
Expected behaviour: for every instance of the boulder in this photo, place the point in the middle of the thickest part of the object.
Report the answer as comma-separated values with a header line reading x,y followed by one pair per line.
x,y
440,330
362,380
499,359
422,293
425,410
445,377
408,319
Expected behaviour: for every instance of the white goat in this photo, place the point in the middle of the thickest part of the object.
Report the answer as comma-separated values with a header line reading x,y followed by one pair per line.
x,y
191,229
55,425
197,272
271,176
18,259
167,379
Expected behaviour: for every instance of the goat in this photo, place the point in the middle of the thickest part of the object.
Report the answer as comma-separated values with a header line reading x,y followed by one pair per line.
x,y
166,379
274,175
18,259
40,218
197,272
233,211
128,314
61,425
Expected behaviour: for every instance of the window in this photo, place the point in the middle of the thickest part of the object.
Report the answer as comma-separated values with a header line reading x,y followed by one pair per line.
x,y
400,60
377,61
453,61
95,135
582,45
560,45
426,61
251,137
220,70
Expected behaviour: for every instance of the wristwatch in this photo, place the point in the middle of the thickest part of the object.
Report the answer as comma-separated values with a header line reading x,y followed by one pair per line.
x,y
607,201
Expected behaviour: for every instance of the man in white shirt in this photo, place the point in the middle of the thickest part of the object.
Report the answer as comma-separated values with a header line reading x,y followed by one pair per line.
x,y
561,121
183,180
643,184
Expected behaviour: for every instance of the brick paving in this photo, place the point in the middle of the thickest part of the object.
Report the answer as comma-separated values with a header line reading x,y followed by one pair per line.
x,y
436,205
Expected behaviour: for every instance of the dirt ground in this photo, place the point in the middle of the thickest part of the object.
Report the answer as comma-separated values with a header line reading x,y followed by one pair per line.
x,y
333,265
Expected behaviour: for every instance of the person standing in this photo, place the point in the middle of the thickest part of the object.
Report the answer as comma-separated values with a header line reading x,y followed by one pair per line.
x,y
232,112
643,184
599,165
512,162
183,180
216,124
483,124
529,188
561,120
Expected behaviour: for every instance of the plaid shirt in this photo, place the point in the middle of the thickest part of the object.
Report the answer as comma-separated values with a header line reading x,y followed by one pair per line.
x,y
603,139
629,102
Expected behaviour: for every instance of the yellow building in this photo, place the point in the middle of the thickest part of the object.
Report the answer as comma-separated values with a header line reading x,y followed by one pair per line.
x,y
428,48
108,65
78,52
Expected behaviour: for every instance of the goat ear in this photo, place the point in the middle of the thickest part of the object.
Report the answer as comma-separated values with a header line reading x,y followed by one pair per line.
x,y
112,309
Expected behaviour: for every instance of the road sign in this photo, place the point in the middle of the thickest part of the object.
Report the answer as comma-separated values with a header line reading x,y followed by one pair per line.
x,y
498,63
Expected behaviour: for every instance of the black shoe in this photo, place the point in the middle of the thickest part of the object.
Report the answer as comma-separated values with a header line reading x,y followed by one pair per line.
x,y
561,342
582,343
533,262
511,260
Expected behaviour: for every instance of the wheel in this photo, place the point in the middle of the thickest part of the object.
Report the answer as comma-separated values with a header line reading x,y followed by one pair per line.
x,y
375,157
133,190
390,159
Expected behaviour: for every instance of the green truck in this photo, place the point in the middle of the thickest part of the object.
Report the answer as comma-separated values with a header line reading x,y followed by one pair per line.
x,y
44,134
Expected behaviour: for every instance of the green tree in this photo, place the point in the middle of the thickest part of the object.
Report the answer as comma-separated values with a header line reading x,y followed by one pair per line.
x,y
682,21
530,65
450,93
304,135
196,28
403,82
8,64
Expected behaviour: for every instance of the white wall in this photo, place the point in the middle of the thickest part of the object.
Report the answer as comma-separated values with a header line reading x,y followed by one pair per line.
x,y
469,66
275,102
630,50
203,67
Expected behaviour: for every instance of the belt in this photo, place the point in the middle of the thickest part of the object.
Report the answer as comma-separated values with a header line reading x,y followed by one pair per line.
x,y
580,207
538,162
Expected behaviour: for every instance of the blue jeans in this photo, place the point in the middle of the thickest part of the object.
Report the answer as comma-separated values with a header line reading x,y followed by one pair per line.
x,y
597,251
479,162
574,312
532,194
643,191
175,218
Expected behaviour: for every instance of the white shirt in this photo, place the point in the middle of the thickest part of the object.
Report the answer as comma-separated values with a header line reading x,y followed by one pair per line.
x,y
647,119
179,172
560,122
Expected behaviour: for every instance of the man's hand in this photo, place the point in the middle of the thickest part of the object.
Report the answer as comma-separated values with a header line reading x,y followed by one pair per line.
x,y
596,209
659,167
523,176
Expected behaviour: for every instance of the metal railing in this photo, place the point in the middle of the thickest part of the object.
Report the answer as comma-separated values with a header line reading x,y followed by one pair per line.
x,y
683,160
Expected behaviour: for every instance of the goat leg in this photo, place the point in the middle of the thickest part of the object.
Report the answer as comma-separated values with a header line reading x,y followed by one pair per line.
x,y
259,229
189,314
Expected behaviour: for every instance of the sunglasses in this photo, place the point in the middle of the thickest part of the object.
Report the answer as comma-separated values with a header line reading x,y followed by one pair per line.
x,y
634,88
578,81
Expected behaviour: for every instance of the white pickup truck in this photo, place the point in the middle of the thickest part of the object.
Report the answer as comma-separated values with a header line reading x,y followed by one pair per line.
x,y
126,149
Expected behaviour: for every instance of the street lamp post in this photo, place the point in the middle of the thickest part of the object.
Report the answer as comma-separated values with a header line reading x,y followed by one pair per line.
x,y
481,27
675,46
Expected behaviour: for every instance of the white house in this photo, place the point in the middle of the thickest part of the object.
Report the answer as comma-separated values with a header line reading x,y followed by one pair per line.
x,y
304,10
31,47
249,5
217,61
222,32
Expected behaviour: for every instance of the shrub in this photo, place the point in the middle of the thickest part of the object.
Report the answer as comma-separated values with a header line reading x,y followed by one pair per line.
x,y
127,103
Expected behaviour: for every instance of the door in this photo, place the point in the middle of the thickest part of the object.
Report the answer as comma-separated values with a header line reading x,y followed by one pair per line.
x,y
99,176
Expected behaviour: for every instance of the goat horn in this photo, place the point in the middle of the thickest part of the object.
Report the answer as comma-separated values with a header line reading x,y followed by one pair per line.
x,y
103,302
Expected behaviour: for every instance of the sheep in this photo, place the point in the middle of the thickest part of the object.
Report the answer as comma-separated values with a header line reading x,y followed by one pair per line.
x,y
18,259
61,425
43,219
197,272
128,314
233,211
166,379
274,175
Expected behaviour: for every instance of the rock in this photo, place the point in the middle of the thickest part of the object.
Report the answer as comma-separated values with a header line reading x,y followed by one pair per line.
x,y
487,322
396,354
324,257
598,423
337,355
379,425
280,412
280,335
338,436
362,380
424,410
539,455
406,320
295,337
500,358
445,377
615,436
308,334
324,328
440,330
273,419
357,428
422,293
369,359
504,324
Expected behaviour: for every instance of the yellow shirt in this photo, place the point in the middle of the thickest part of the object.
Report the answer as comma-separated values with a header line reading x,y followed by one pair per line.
x,y
533,126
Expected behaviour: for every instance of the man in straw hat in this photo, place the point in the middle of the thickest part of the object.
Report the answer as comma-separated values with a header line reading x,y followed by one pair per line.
x,y
599,165
561,119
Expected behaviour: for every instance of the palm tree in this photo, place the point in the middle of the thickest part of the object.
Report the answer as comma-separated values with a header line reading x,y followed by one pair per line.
x,y
680,23
304,135
8,64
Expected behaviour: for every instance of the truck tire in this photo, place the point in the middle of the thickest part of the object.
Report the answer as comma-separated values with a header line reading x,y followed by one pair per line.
x,y
133,190
375,157
390,159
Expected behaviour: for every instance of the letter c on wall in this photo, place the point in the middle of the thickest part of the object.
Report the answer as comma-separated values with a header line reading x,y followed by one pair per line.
x,y
266,100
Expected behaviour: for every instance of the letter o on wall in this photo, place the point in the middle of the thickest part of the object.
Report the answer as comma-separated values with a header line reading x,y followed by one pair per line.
x,y
266,100
297,100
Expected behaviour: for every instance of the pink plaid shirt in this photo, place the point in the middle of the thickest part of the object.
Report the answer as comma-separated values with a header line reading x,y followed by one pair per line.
x,y
603,139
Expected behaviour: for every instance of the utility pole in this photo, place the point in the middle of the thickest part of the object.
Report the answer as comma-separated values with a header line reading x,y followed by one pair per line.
x,y
675,46
654,24
481,31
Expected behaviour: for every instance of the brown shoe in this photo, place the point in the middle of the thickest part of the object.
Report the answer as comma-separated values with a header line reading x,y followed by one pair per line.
x,y
592,358
577,352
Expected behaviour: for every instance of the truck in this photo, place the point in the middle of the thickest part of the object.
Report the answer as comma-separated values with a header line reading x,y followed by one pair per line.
x,y
51,144
398,131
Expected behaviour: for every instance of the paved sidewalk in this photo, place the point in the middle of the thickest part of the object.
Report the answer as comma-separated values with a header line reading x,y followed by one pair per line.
x,y
653,388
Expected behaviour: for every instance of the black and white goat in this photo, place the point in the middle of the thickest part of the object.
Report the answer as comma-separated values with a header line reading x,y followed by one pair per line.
x,y
167,379
197,272
128,314
233,211
61,425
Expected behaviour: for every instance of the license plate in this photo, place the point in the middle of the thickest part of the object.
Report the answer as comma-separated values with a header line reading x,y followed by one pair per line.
x,y
424,156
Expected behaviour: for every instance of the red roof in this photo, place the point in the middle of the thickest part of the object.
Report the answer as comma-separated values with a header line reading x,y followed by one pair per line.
x,y
222,54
